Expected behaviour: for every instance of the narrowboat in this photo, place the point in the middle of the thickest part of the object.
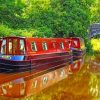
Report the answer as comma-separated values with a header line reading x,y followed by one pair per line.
x,y
19,54
33,84
77,46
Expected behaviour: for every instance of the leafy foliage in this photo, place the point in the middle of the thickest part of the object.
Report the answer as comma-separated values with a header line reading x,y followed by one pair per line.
x,y
95,10
49,18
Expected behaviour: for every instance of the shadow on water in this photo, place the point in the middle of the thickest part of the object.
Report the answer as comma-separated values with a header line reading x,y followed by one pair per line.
x,y
77,81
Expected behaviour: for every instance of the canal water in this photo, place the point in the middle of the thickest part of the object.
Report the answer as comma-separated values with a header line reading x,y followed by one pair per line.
x,y
79,80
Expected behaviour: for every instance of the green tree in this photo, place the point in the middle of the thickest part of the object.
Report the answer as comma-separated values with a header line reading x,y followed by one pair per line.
x,y
95,12
49,18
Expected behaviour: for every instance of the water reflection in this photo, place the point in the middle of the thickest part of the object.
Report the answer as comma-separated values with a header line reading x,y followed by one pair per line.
x,y
95,65
77,81
94,81
33,84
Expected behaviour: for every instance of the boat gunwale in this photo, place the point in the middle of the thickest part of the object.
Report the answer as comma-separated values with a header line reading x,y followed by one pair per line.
x,y
33,56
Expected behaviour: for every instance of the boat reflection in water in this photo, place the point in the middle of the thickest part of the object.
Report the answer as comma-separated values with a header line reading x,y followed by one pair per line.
x,y
26,86
95,65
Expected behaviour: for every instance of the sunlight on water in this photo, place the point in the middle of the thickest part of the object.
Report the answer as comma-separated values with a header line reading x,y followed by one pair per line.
x,y
77,81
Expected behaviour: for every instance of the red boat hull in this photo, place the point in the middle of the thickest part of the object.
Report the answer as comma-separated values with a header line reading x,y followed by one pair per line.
x,y
38,62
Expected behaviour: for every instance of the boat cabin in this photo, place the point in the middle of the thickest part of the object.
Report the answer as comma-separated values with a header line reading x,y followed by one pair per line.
x,y
76,43
46,45
12,46
29,46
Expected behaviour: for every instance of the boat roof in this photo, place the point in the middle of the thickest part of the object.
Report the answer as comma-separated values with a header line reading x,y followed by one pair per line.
x,y
30,37
45,38
13,37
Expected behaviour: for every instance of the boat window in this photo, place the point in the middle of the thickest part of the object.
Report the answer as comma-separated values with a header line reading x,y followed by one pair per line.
x,y
69,43
44,46
15,46
34,46
62,45
3,47
10,46
22,46
54,45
